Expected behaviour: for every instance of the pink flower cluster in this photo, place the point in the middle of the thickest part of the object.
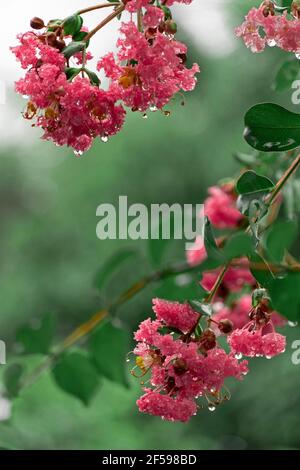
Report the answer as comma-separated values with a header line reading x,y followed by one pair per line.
x,y
184,365
70,113
155,69
263,27
70,107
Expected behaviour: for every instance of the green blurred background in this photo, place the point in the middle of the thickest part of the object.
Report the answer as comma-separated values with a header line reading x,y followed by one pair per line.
x,y
50,254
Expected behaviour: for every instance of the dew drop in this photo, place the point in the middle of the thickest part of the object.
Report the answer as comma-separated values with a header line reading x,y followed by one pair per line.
x,y
271,42
292,324
25,97
153,108
211,407
78,153
238,356
297,56
145,116
268,357
127,360
104,139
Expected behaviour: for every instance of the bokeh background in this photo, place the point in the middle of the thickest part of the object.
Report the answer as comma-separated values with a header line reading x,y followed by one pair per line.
x,y
50,254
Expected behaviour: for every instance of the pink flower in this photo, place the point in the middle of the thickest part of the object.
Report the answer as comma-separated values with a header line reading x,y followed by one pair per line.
x,y
261,28
252,342
197,253
153,17
220,208
174,314
171,409
31,51
85,112
147,331
134,5
155,70
235,278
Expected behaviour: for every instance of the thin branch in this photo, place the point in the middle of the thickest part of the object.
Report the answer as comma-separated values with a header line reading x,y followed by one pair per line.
x,y
280,184
97,7
104,22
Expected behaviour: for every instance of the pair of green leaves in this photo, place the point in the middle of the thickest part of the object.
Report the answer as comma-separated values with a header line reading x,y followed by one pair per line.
x,y
79,373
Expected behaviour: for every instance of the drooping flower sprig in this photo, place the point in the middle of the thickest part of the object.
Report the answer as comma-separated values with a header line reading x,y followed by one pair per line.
x,y
180,347
66,99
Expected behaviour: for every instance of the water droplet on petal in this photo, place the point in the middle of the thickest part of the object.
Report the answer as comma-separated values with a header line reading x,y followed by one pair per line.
x,y
145,116
153,108
78,153
271,42
211,407
292,324
238,356
268,357
104,138
297,56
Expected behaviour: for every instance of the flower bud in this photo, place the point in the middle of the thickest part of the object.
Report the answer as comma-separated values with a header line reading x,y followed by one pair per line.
x,y
268,8
60,44
180,366
225,326
295,9
51,39
37,23
207,340
170,27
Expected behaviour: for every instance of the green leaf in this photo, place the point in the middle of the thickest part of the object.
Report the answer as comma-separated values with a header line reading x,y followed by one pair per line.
x,y
80,36
77,376
263,276
72,25
272,128
73,48
251,182
211,247
109,346
37,340
111,265
249,203
285,296
94,79
12,379
237,246
279,238
287,73
72,72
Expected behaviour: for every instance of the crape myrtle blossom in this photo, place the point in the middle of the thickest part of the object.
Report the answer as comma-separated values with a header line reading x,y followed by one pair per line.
x,y
155,69
262,27
184,365
68,103
258,337
134,5
220,207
